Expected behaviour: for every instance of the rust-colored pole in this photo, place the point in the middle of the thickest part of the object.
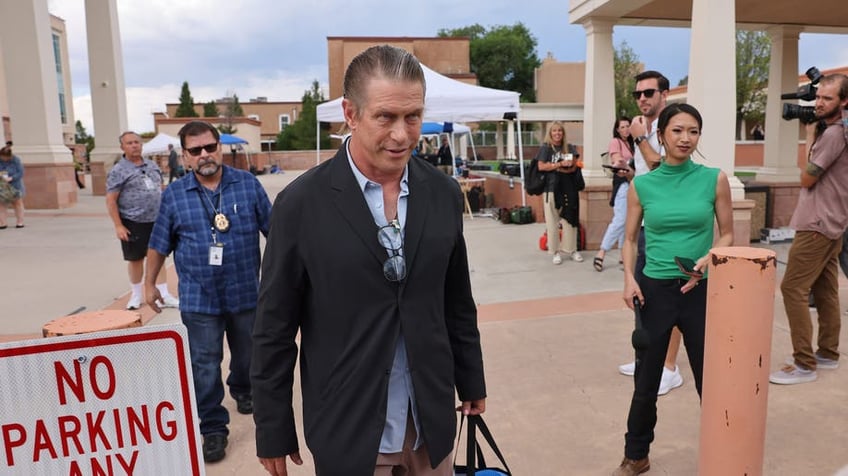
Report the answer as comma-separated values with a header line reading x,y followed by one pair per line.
x,y
737,350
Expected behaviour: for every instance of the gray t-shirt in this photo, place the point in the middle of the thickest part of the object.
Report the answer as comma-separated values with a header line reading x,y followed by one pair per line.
x,y
139,188
823,208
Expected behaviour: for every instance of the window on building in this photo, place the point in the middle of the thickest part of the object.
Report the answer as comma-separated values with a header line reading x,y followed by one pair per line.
x,y
255,117
57,57
285,121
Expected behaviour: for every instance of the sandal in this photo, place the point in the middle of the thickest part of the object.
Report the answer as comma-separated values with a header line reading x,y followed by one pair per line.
x,y
598,263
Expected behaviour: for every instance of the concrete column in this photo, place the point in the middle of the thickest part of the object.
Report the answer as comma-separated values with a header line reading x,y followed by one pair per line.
x,y
499,141
780,156
599,95
737,351
33,95
108,96
510,140
712,83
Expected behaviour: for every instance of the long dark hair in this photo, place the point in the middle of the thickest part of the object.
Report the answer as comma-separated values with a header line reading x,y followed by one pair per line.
x,y
674,109
629,140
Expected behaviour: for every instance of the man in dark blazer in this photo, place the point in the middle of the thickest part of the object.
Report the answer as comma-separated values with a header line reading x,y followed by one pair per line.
x,y
388,326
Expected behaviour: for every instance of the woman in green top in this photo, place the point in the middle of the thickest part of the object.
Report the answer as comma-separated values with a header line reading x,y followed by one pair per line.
x,y
677,202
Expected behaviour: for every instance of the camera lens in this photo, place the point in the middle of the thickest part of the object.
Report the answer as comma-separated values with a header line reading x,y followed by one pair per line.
x,y
805,114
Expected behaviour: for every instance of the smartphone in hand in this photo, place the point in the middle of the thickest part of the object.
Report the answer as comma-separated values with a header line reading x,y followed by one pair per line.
x,y
614,168
687,267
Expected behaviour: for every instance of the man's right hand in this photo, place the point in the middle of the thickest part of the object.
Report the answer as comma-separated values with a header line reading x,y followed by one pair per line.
x,y
277,466
153,296
638,127
122,233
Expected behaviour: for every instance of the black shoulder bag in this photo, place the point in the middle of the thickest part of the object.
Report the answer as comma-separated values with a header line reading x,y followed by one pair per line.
x,y
475,464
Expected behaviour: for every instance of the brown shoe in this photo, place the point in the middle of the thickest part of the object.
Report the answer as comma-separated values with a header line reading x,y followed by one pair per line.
x,y
632,467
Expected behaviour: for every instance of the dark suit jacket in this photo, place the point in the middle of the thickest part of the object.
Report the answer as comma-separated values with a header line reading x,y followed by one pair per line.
x,y
322,275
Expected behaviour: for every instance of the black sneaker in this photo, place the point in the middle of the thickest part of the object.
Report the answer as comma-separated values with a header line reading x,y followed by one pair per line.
x,y
214,447
244,404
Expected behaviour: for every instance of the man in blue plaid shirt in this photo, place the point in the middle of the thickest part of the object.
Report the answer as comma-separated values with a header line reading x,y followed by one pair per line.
x,y
211,221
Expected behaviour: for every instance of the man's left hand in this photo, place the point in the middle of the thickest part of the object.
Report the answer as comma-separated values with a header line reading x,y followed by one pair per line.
x,y
474,407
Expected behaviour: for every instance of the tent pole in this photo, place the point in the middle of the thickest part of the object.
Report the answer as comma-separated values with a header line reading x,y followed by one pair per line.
x,y
521,164
317,142
453,150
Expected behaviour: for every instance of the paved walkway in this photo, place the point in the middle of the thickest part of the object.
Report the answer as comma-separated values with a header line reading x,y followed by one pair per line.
x,y
552,337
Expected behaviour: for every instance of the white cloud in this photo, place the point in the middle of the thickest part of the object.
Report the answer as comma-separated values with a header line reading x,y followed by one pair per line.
x,y
276,49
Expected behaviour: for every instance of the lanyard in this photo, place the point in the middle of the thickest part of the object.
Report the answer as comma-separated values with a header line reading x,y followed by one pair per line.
x,y
217,220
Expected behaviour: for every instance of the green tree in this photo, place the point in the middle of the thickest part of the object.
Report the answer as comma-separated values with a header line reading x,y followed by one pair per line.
x,y
210,109
236,106
502,57
81,137
753,53
231,110
300,135
186,107
626,66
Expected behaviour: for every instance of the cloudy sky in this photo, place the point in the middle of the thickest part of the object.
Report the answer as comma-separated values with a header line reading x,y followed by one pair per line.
x,y
277,48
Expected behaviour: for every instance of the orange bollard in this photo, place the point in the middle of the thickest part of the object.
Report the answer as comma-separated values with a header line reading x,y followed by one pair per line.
x,y
737,351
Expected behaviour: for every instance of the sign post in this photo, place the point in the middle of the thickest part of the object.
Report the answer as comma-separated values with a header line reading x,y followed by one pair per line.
x,y
114,403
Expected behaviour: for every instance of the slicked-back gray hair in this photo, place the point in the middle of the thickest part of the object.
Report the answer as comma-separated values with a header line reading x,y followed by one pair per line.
x,y
381,61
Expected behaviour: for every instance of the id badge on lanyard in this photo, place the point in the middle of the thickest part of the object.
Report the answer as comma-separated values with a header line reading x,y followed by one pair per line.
x,y
216,251
148,182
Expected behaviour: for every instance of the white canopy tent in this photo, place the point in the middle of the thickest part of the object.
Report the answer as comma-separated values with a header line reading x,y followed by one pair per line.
x,y
449,100
457,129
159,144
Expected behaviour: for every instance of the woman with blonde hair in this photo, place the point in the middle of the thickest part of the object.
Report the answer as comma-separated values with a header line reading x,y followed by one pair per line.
x,y
561,202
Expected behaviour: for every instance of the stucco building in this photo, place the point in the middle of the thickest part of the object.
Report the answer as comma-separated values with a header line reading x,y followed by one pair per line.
x,y
15,121
271,117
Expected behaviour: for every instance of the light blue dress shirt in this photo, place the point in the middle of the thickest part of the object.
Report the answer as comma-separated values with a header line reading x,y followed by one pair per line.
x,y
401,394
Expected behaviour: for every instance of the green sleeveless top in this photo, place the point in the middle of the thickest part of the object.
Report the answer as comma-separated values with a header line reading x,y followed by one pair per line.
x,y
678,204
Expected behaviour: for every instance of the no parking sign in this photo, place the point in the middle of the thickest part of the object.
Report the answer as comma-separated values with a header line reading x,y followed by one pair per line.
x,y
110,403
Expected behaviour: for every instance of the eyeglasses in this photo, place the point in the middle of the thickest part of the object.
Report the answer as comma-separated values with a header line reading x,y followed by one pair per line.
x,y
391,238
649,93
209,148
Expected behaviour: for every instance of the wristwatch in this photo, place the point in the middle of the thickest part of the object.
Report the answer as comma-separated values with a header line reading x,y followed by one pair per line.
x,y
639,139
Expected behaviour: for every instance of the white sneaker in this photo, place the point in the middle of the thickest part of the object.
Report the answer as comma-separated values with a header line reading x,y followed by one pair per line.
x,y
821,362
627,369
791,374
576,256
557,258
134,302
170,301
671,379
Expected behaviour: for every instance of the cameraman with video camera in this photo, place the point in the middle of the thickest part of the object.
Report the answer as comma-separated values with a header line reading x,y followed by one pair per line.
x,y
820,218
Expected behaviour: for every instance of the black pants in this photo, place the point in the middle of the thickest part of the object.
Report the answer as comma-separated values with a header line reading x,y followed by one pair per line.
x,y
665,307
640,256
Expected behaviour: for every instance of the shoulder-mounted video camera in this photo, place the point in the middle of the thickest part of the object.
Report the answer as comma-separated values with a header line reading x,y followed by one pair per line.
x,y
807,92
